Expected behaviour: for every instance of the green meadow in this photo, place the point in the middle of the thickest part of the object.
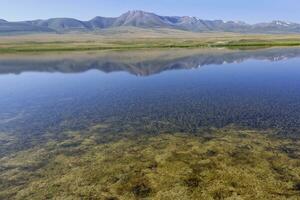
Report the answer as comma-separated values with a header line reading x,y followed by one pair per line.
x,y
87,42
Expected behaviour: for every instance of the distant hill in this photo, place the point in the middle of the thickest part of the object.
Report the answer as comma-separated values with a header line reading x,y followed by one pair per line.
x,y
60,24
21,27
146,20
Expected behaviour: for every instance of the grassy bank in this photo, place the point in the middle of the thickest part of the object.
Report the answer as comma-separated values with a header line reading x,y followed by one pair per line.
x,y
15,44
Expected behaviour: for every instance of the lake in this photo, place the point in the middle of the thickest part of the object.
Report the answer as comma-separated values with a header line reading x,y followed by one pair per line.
x,y
156,124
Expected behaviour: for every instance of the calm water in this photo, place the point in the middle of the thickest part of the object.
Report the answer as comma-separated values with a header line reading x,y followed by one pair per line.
x,y
176,90
176,124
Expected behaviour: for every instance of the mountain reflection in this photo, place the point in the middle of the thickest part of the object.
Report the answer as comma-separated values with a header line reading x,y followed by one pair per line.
x,y
139,63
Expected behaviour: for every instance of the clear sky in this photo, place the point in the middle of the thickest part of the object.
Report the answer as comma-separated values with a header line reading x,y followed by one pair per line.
x,y
246,10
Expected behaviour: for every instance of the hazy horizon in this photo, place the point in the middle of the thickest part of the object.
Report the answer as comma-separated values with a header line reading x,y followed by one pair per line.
x,y
250,12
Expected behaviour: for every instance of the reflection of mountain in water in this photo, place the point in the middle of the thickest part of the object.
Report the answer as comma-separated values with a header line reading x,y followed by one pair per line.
x,y
139,63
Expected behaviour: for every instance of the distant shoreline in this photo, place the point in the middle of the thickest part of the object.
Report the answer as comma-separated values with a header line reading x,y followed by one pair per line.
x,y
70,43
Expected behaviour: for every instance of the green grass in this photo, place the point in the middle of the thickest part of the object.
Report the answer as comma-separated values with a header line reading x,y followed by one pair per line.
x,y
131,44
260,43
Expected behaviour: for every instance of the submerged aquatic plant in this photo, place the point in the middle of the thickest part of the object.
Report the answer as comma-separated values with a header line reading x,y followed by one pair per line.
x,y
227,163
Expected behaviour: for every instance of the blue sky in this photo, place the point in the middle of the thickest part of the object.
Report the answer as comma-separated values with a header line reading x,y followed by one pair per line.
x,y
246,10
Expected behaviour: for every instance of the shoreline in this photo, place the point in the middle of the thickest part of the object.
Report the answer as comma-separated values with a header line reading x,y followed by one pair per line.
x,y
72,43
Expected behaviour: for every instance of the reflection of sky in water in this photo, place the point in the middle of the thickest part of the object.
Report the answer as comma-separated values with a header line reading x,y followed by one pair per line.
x,y
255,93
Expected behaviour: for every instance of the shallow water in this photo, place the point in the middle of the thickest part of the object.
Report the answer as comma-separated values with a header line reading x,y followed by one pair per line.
x,y
151,114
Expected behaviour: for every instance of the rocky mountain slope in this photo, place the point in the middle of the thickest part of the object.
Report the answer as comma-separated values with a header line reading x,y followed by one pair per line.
x,y
146,20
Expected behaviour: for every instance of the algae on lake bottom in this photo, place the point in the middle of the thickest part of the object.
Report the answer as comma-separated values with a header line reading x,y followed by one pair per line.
x,y
227,163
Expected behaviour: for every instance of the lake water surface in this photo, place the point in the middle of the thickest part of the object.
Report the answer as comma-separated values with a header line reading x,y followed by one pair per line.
x,y
151,124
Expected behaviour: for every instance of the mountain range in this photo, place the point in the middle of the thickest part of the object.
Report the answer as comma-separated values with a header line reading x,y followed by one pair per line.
x,y
145,20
